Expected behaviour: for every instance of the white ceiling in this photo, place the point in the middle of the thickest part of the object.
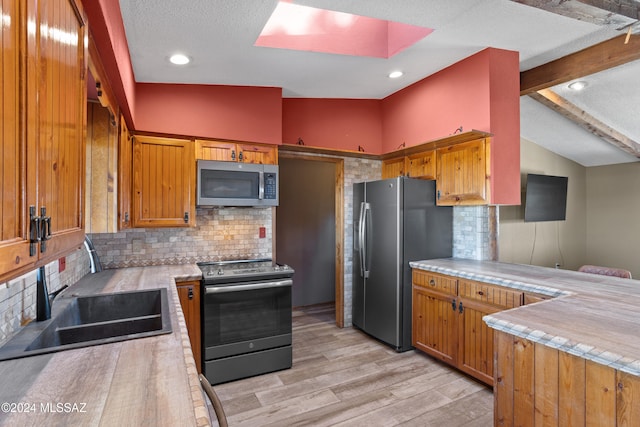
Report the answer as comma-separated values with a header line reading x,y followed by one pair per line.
x,y
219,36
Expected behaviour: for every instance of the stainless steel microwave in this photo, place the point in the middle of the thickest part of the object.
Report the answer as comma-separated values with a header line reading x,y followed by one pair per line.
x,y
236,184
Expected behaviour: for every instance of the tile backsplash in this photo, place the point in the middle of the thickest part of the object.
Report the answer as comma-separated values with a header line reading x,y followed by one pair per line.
x,y
220,234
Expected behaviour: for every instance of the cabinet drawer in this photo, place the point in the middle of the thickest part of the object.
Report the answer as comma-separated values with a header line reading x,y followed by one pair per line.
x,y
531,298
435,282
498,296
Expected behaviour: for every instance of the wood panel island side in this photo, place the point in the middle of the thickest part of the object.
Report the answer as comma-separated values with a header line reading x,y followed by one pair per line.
x,y
567,355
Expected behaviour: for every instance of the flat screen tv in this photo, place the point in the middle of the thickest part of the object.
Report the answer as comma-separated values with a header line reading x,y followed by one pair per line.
x,y
545,198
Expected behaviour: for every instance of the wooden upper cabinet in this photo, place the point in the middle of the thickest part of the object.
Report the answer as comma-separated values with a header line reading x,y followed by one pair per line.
x,y
231,151
422,165
418,165
14,241
257,153
43,132
163,182
463,173
56,122
392,168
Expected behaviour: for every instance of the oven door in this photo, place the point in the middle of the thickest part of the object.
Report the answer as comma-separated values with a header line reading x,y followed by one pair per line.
x,y
246,317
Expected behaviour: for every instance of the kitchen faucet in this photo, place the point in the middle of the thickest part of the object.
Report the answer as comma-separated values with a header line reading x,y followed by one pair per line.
x,y
44,299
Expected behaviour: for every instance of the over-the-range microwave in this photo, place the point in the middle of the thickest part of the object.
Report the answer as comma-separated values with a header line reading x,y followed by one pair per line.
x,y
236,184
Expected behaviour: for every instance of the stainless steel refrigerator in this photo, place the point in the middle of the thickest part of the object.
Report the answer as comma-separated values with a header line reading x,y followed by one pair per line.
x,y
395,221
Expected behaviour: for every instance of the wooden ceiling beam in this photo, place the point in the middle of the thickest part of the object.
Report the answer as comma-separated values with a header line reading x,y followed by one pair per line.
x,y
585,120
602,56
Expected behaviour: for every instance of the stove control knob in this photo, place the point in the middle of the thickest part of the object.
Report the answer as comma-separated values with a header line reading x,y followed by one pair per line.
x,y
220,272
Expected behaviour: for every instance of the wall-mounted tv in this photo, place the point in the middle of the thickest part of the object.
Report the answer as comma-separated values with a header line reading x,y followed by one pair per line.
x,y
545,198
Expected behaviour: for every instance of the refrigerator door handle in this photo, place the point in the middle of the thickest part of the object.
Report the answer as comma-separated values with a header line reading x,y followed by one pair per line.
x,y
361,238
366,239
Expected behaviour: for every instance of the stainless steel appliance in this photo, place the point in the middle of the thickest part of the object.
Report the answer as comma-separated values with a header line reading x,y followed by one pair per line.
x,y
246,318
236,184
395,221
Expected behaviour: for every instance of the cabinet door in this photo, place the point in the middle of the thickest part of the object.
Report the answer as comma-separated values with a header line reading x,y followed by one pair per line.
x,y
14,241
189,294
216,150
56,113
392,168
435,325
255,153
163,182
462,174
422,165
476,299
125,166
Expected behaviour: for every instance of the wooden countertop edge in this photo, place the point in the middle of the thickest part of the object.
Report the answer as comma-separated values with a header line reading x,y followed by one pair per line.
x,y
200,410
497,321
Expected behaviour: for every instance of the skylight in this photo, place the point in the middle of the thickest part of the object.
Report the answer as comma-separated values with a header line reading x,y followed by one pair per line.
x,y
307,28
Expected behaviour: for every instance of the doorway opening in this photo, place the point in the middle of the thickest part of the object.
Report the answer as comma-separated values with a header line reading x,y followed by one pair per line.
x,y
310,230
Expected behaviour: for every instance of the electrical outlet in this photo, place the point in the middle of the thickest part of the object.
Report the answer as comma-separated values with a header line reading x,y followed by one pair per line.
x,y
558,265
262,232
62,264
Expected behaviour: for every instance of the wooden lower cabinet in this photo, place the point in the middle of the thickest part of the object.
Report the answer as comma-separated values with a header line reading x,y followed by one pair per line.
x,y
540,385
435,324
447,320
189,294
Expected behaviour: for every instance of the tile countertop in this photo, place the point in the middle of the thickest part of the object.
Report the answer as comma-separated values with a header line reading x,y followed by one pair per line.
x,y
146,381
590,316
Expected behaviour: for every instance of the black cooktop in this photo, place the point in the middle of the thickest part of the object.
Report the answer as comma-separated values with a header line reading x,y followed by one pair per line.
x,y
243,271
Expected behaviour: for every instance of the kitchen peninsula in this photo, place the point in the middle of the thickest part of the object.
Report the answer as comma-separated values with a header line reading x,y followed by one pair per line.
x,y
572,357
145,381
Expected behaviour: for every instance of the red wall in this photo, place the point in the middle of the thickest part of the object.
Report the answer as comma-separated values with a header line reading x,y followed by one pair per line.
x,y
107,29
227,112
504,77
333,123
439,104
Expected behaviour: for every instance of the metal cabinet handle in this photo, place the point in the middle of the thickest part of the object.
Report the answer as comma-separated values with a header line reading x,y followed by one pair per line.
x,y
233,154
240,157
186,217
453,305
45,224
34,232
190,293
432,282
460,308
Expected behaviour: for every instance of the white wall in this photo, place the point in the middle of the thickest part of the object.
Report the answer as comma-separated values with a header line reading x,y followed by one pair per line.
x,y
545,243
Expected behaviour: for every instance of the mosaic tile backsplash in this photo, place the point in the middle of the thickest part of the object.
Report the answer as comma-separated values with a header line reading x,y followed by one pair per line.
x,y
220,234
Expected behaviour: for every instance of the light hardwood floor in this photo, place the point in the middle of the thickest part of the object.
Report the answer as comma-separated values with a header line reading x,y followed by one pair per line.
x,y
342,377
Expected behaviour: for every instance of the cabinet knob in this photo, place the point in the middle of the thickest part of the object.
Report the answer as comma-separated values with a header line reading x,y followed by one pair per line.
x,y
432,282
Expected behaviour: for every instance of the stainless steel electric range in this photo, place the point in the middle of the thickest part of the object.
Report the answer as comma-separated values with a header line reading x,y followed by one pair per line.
x,y
246,318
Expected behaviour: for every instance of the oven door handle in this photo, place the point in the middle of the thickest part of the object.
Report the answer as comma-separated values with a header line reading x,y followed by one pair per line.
x,y
248,287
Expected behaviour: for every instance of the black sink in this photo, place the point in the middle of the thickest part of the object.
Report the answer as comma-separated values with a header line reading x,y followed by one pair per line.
x,y
93,320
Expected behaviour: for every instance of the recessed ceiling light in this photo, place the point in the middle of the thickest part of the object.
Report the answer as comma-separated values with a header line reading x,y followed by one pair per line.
x,y
579,85
179,59
395,74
